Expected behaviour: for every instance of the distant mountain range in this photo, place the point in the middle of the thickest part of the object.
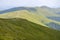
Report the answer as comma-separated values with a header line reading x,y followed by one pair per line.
x,y
18,8
49,17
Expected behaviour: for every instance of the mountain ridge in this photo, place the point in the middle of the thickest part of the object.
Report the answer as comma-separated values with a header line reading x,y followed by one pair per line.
x,y
37,15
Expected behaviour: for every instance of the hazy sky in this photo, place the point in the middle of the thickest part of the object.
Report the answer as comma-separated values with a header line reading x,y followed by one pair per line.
x,y
5,4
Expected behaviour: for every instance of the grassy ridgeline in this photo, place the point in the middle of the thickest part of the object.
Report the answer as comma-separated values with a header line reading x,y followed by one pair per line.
x,y
21,29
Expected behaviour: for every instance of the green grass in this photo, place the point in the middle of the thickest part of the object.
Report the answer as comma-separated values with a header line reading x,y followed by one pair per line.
x,y
22,29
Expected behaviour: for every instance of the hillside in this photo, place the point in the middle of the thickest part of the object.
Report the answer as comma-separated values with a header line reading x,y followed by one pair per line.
x,y
22,29
25,15
48,17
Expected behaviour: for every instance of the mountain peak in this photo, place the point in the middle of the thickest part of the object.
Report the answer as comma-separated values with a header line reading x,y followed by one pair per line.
x,y
45,7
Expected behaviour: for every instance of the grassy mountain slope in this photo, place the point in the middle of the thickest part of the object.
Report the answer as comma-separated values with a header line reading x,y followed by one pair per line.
x,y
26,15
37,15
22,29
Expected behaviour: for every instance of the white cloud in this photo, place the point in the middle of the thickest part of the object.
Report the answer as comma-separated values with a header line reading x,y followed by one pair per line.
x,y
15,3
